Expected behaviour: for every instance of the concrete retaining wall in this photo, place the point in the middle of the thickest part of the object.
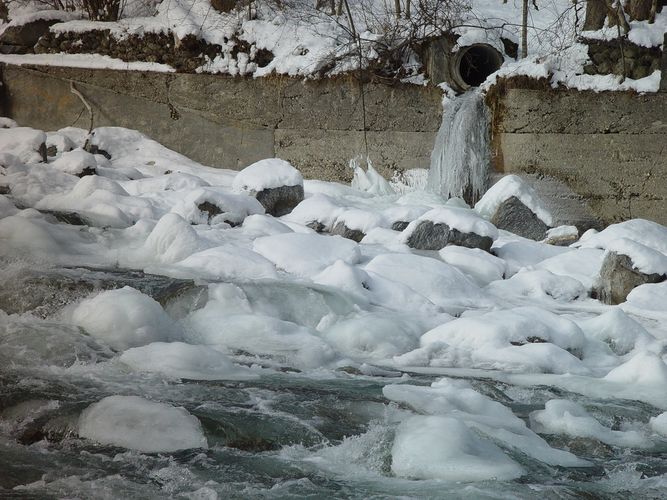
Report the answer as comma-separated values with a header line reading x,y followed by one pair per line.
x,y
608,148
227,122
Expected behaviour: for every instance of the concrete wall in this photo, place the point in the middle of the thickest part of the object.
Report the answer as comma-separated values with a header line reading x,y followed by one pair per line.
x,y
227,122
609,148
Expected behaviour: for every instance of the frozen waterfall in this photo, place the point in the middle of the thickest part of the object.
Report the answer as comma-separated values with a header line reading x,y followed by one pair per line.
x,y
460,158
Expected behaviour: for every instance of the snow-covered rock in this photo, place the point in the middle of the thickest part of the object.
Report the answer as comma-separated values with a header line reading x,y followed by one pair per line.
x,y
27,144
444,226
619,274
276,184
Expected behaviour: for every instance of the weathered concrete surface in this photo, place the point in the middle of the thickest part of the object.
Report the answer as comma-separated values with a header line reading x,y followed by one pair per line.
x,y
232,122
610,149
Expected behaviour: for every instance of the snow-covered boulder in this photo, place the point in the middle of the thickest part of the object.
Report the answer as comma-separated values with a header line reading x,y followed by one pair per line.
x,y
627,265
511,204
276,184
76,162
213,205
27,144
139,424
445,226
562,236
354,224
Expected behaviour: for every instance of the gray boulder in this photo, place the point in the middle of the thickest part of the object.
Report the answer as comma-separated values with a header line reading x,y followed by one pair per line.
x,y
280,200
351,234
618,277
430,236
513,216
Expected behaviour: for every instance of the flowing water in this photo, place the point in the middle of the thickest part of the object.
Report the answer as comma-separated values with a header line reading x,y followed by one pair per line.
x,y
287,434
461,154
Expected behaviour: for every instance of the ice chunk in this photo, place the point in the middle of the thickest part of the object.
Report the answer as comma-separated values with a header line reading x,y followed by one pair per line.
x,y
266,174
179,360
306,254
659,424
561,416
124,318
139,424
434,447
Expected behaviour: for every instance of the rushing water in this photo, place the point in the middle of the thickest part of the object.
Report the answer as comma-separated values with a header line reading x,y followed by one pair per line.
x,y
288,434
461,154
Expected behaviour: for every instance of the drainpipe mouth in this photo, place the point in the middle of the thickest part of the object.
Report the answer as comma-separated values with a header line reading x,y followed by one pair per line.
x,y
471,65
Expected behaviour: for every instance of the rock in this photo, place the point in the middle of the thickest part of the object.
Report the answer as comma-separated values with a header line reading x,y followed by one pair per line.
x,y
618,278
562,236
280,200
351,234
21,39
399,225
223,5
72,218
430,236
513,216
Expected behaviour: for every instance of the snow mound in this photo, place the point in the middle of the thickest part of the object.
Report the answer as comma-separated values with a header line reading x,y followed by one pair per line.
x,y
479,265
651,297
266,174
434,447
179,360
525,339
139,424
75,162
124,318
505,188
305,255
22,142
641,231
645,368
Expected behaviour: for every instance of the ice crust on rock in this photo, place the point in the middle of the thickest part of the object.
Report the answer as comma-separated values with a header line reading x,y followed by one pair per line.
x,y
124,318
561,416
179,360
435,447
139,424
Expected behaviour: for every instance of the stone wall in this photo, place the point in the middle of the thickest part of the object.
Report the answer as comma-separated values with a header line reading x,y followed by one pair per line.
x,y
231,122
609,148
630,60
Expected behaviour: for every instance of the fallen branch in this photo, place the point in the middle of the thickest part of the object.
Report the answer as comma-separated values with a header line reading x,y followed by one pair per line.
x,y
74,91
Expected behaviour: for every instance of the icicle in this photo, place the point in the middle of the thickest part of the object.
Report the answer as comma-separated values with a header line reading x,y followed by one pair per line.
x,y
460,158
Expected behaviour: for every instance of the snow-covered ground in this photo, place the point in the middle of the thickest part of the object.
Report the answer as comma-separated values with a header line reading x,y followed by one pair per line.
x,y
301,363
307,42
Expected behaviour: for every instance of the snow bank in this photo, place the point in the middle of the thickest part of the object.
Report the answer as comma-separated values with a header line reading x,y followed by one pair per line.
x,y
124,318
138,424
179,360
